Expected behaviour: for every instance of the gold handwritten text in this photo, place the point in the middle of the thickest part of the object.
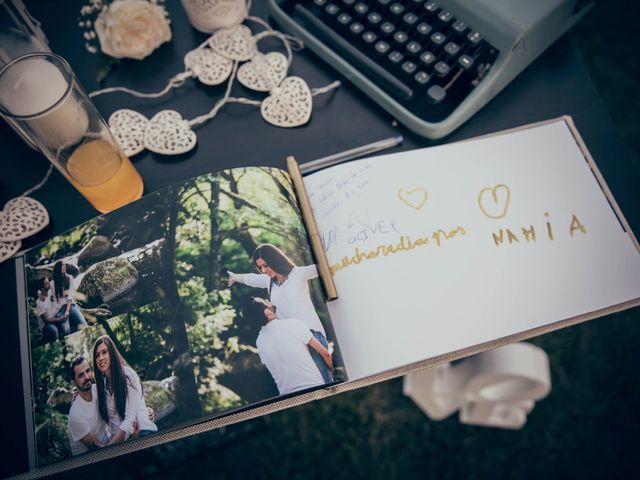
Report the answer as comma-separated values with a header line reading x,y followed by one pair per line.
x,y
507,236
406,244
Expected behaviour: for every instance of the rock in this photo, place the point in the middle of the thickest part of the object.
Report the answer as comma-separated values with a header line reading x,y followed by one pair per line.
x,y
107,280
170,383
98,249
226,395
160,398
60,399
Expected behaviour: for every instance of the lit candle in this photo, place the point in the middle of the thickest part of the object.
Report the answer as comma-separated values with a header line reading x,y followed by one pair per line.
x,y
37,88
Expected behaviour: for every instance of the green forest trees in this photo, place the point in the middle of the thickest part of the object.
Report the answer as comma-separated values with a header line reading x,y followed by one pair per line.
x,y
179,325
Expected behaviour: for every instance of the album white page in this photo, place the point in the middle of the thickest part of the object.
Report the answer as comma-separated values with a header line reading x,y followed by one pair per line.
x,y
443,248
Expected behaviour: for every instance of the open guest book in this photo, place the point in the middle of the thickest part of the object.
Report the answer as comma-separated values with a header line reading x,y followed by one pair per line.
x,y
200,305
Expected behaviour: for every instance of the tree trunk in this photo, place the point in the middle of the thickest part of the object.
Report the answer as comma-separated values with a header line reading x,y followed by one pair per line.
x,y
215,240
187,393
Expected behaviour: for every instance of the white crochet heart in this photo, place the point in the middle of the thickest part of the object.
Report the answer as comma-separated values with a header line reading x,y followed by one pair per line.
x,y
21,218
169,134
235,43
263,72
208,66
166,133
128,126
289,105
8,249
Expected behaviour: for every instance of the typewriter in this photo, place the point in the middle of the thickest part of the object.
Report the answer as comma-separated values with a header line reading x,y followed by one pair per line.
x,y
430,64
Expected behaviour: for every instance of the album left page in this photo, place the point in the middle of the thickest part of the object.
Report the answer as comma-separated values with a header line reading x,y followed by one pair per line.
x,y
198,300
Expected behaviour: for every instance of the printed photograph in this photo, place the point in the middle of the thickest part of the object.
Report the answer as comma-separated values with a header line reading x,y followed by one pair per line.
x,y
196,300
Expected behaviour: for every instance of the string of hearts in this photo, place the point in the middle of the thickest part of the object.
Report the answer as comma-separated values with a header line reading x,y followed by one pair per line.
x,y
20,218
228,54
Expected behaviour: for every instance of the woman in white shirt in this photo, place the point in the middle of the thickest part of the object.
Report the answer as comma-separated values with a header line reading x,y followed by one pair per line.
x,y
120,397
62,300
288,287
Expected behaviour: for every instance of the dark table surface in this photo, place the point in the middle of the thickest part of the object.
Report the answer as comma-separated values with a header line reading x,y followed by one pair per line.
x,y
556,84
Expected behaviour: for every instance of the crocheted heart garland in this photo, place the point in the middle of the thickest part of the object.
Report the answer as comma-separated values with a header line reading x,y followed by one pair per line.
x,y
21,217
208,66
128,126
288,105
9,249
167,133
263,72
235,43
289,102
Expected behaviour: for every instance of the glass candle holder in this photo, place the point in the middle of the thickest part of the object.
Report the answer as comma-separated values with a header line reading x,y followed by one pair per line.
x,y
20,34
41,95
209,15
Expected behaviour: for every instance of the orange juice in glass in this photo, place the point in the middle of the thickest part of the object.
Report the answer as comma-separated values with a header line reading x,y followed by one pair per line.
x,y
103,174
40,93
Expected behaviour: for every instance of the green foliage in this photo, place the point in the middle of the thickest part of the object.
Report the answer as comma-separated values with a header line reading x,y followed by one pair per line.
x,y
221,219
65,244
52,442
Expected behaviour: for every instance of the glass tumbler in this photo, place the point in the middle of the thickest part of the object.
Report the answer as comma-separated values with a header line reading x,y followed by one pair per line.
x,y
41,95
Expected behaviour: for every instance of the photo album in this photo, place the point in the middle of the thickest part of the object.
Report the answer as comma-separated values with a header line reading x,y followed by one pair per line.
x,y
205,303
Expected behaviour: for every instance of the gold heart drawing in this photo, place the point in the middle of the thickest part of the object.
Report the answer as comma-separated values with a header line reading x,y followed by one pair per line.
x,y
415,198
496,204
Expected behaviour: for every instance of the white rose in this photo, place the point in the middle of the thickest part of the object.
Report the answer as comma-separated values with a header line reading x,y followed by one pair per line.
x,y
132,28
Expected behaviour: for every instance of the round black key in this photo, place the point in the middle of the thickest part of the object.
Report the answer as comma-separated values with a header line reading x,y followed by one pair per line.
x,y
438,38
427,58
361,8
441,68
413,47
422,78
424,29
369,37
459,27
465,61
452,49
396,8
400,37
382,47
344,19
474,37
332,9
409,67
431,7
409,18
387,28
374,18
357,28
445,16
395,56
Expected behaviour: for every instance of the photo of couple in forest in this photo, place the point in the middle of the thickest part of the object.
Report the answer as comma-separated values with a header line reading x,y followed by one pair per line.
x,y
196,300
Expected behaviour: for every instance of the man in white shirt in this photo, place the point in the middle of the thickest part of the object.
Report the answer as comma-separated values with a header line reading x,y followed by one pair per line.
x,y
86,429
282,346
52,327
